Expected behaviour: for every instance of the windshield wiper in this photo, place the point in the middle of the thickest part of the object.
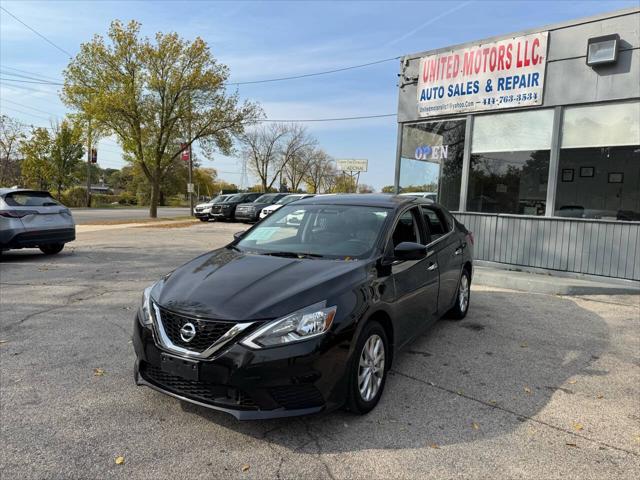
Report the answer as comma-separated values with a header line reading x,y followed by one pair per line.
x,y
292,255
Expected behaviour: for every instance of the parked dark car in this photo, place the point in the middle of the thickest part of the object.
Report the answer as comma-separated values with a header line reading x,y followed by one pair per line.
x,y
203,210
227,209
34,219
294,319
250,212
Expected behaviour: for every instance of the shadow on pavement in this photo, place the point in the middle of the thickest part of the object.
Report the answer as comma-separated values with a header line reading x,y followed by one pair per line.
x,y
462,381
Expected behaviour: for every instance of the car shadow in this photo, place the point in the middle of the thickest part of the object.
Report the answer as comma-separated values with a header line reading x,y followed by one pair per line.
x,y
461,381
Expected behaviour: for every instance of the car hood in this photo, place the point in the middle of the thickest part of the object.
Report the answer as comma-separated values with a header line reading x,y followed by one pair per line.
x,y
229,285
274,206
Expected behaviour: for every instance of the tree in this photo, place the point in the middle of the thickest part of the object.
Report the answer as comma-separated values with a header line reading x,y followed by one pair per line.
x,y
154,96
388,189
11,135
261,148
364,188
36,166
297,155
66,155
320,175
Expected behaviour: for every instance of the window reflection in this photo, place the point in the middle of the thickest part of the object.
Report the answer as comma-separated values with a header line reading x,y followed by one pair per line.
x,y
509,182
431,160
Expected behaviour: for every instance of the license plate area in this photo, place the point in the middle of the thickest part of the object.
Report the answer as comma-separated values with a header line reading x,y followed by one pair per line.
x,y
180,367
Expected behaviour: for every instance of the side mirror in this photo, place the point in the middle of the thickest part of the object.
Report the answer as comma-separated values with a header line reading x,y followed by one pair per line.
x,y
409,251
238,235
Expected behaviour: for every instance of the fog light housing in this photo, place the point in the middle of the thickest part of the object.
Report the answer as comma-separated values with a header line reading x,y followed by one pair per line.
x,y
603,50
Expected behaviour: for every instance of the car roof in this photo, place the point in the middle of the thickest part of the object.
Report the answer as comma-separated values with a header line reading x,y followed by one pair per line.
x,y
364,199
5,191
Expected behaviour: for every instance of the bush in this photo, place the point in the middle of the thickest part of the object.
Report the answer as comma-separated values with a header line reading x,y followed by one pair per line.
x,y
101,199
74,197
128,198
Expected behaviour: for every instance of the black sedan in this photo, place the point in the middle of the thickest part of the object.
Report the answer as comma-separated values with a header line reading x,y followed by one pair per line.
x,y
227,209
293,318
250,212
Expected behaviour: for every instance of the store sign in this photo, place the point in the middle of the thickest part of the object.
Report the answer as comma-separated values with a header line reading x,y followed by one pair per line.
x,y
504,74
428,152
352,165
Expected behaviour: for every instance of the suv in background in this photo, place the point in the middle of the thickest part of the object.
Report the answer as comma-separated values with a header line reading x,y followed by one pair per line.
x,y
250,212
202,210
33,219
227,209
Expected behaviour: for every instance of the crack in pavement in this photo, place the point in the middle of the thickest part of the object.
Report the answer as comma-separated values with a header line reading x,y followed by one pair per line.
x,y
316,442
513,412
69,300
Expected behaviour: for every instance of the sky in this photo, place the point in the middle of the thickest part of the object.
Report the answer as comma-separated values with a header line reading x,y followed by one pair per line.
x,y
263,40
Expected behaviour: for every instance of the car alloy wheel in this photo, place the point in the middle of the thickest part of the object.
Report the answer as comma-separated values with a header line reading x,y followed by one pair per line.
x,y
371,368
463,293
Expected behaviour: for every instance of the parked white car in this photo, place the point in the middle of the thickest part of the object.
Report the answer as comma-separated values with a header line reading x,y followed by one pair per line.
x,y
266,211
203,210
433,196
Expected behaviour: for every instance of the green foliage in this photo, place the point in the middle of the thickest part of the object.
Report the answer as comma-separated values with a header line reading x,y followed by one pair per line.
x,y
74,197
37,169
66,155
155,95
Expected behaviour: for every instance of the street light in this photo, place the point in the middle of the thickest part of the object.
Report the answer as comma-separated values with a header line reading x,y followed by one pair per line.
x,y
603,50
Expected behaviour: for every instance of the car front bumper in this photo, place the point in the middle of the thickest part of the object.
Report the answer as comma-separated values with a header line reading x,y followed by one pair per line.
x,y
292,380
246,216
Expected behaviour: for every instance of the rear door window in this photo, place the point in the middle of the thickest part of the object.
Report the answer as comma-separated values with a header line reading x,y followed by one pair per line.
x,y
30,199
435,223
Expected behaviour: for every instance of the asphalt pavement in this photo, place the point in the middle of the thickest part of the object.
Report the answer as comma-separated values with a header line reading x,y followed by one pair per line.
x,y
527,386
92,215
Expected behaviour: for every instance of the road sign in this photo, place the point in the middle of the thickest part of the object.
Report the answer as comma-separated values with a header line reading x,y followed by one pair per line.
x,y
190,188
352,165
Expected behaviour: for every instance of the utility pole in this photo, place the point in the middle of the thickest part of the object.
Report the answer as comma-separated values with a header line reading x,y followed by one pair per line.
x,y
89,164
190,175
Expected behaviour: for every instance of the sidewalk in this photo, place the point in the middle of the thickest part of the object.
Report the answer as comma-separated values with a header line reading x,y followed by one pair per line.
x,y
552,284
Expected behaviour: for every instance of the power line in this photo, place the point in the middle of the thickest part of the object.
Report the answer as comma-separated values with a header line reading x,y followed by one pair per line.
x,y
37,33
43,77
305,75
336,119
19,77
49,92
43,82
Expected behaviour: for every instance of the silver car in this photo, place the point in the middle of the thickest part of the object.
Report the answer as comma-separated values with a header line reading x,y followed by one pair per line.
x,y
33,219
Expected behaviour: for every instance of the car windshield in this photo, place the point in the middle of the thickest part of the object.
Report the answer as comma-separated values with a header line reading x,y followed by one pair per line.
x,y
30,199
218,199
234,198
288,199
315,231
267,198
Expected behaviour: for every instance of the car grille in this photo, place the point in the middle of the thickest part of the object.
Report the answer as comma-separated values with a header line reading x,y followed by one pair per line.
x,y
199,209
297,396
216,208
195,389
207,331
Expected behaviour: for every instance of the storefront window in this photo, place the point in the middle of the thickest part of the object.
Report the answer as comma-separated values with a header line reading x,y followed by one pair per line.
x,y
431,160
510,155
599,167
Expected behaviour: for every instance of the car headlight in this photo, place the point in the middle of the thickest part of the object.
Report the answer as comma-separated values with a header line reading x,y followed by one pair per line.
x,y
306,323
145,308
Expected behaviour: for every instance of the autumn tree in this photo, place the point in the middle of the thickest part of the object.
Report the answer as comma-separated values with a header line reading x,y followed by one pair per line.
x,y
65,155
12,133
321,172
154,95
36,164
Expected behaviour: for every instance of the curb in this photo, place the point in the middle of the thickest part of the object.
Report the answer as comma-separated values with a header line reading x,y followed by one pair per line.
x,y
548,284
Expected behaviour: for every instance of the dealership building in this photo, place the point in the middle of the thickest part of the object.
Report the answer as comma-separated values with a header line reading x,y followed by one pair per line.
x,y
533,139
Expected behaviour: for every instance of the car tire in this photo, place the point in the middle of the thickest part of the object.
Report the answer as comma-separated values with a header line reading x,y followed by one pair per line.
x,y
51,248
204,219
463,297
360,399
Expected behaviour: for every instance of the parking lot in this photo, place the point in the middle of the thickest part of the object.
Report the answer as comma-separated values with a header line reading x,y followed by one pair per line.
x,y
527,386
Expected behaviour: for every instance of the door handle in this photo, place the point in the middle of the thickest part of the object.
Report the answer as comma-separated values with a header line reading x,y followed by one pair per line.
x,y
432,267
458,251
